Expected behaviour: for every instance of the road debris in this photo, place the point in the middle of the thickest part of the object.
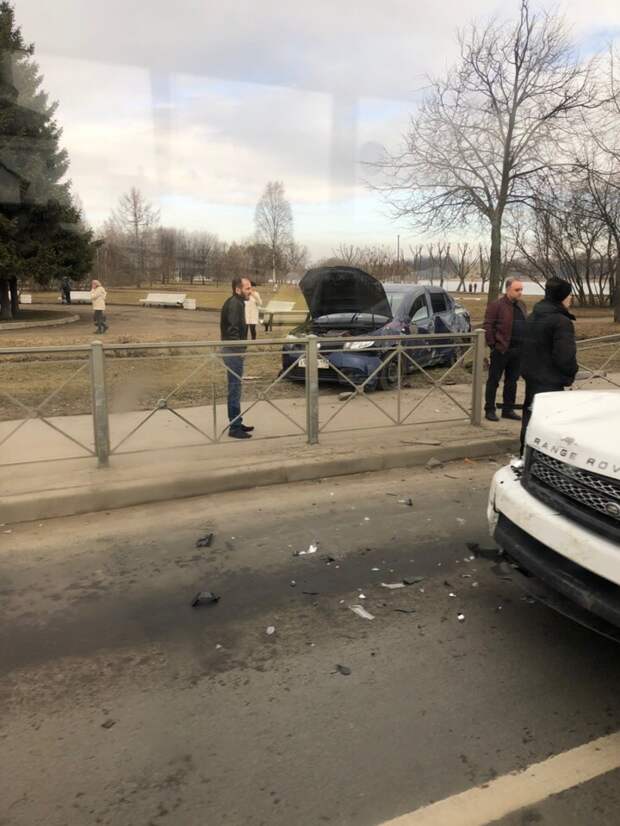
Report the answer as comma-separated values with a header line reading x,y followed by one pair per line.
x,y
108,723
412,580
270,630
292,583
408,501
460,520
312,549
452,594
430,442
433,463
361,612
311,593
205,541
204,598
343,669
392,585
375,569
460,617
343,397
404,610
491,554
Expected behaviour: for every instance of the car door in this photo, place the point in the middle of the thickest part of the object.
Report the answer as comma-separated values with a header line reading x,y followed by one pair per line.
x,y
421,321
443,317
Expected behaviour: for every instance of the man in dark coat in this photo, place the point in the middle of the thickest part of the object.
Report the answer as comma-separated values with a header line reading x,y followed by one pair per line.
x,y
549,361
504,323
233,328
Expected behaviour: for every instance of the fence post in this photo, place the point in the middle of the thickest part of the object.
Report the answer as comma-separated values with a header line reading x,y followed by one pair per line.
x,y
312,390
101,423
477,378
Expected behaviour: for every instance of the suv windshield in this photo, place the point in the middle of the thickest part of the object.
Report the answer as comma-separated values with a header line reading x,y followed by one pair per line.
x,y
395,299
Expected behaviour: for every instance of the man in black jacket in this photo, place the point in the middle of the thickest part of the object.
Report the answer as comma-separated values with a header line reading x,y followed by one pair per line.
x,y
233,328
549,356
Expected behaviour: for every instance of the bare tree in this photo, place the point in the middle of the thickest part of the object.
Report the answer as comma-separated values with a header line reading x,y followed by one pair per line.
x,y
273,221
462,264
136,218
487,129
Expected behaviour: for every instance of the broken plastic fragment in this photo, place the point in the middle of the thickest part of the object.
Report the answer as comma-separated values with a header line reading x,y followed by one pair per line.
x,y
312,549
408,501
452,594
343,669
361,612
205,541
412,580
433,463
108,723
204,598
271,629
392,585
460,617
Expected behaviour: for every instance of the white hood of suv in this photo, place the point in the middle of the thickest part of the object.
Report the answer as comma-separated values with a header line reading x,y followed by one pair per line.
x,y
579,427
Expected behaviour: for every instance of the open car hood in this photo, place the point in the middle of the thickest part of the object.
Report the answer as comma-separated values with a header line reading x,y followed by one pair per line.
x,y
331,290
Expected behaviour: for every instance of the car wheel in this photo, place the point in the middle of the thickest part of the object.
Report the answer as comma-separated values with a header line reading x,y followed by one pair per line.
x,y
388,377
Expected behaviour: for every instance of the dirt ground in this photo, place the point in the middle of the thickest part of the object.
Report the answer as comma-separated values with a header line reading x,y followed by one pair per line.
x,y
139,379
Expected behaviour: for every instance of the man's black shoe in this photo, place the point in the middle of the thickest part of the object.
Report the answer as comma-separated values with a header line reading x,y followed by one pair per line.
x,y
246,428
491,415
510,414
237,433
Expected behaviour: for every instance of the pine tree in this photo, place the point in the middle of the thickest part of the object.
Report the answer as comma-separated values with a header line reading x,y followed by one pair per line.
x,y
41,232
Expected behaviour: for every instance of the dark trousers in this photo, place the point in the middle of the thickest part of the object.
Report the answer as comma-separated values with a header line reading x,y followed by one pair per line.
x,y
508,365
235,375
100,323
531,389
252,331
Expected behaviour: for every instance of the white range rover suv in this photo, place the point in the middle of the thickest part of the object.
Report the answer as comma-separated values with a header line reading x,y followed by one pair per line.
x,y
555,514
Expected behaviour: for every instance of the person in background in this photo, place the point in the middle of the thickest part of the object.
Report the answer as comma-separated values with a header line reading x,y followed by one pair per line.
x,y
252,306
549,359
504,324
233,328
97,297
65,290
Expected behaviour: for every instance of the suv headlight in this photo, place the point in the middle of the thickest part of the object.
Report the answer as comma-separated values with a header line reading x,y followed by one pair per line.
x,y
359,345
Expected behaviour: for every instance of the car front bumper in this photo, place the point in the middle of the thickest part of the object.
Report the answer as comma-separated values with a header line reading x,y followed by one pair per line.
x,y
581,567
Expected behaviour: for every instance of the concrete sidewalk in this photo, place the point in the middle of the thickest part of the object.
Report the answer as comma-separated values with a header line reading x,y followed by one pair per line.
x,y
67,486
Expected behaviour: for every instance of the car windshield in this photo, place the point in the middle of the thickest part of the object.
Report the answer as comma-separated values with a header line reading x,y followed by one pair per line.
x,y
395,299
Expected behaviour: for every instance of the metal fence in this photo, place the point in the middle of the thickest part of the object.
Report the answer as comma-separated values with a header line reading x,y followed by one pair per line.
x,y
395,377
599,361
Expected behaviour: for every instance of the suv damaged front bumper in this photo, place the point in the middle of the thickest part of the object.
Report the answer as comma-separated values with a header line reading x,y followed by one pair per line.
x,y
564,565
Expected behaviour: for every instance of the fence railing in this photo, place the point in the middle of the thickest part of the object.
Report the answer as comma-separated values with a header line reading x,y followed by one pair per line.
x,y
134,384
599,360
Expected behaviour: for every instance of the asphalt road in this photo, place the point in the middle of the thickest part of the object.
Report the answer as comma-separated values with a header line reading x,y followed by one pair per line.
x,y
120,704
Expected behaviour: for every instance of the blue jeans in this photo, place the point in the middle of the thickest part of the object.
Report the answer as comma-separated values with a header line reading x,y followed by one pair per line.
x,y
235,366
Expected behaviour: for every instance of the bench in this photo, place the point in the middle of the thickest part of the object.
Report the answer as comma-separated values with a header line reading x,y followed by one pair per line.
x,y
275,308
79,297
163,300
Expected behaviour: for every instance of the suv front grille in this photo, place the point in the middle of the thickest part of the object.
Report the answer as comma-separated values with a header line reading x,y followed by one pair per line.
x,y
583,495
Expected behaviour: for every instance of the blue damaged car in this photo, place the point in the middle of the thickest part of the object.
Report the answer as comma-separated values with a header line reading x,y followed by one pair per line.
x,y
346,301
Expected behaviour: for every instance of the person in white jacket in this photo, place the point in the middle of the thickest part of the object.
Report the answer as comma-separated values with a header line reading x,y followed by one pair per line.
x,y
251,311
97,296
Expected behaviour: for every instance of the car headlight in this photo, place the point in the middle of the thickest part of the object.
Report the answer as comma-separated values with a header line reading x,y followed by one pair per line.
x,y
359,345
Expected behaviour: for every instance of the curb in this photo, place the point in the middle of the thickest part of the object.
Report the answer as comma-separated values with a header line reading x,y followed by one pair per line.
x,y
110,495
29,325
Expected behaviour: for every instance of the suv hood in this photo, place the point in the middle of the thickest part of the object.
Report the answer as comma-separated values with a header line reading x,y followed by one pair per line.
x,y
578,427
344,290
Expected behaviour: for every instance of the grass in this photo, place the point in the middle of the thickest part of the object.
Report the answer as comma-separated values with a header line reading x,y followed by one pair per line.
x,y
207,297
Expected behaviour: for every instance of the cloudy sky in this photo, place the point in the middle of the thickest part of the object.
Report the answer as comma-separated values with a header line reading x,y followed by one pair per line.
x,y
200,103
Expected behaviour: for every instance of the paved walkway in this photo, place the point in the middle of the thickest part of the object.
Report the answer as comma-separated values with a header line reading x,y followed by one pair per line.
x,y
50,475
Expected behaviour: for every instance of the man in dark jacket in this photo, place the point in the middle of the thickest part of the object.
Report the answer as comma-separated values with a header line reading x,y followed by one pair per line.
x,y
504,323
549,360
233,328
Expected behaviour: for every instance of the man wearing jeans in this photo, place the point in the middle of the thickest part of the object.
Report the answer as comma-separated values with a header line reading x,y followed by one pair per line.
x,y
504,325
233,328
